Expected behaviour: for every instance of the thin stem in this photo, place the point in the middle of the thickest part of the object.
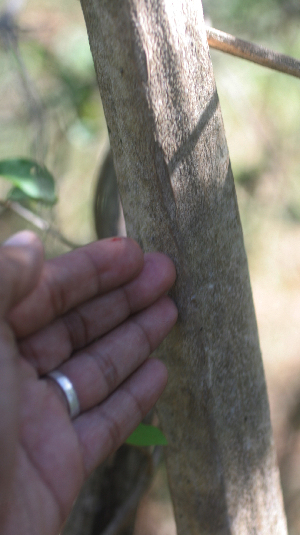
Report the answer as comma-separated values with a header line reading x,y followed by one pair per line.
x,y
37,221
257,54
127,508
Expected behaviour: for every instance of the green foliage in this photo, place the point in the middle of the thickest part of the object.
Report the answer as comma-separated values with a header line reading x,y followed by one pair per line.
x,y
29,179
147,435
249,178
292,212
258,18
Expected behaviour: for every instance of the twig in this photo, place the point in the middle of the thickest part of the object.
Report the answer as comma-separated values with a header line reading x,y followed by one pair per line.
x,y
9,33
35,106
117,524
255,53
37,221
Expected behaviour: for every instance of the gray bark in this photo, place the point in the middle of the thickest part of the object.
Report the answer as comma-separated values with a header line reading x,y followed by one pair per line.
x,y
177,190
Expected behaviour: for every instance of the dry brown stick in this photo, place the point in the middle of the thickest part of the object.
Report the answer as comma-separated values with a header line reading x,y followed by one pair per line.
x,y
255,53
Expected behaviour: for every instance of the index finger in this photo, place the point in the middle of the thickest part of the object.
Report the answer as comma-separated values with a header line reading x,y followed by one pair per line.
x,y
75,277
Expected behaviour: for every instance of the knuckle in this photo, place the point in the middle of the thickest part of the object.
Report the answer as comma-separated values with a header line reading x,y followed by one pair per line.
x,y
113,430
28,350
108,371
57,296
77,328
137,403
142,335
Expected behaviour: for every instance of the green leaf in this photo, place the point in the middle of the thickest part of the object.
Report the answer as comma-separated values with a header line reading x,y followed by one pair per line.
x,y
147,435
16,194
30,177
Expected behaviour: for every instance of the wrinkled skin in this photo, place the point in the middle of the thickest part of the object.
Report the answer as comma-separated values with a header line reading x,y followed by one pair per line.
x,y
96,314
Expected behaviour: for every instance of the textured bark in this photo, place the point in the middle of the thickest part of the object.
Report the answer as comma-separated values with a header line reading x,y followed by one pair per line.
x,y
176,185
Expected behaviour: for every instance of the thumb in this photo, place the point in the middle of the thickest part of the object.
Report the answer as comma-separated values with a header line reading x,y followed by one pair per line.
x,y
21,261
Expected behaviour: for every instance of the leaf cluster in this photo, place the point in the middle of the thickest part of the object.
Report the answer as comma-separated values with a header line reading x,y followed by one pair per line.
x,y
30,180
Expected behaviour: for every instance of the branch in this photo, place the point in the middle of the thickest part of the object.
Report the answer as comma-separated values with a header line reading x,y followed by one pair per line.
x,y
257,54
37,221
127,509
9,33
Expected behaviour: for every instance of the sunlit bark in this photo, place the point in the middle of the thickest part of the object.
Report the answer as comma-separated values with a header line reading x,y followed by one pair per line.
x,y
177,190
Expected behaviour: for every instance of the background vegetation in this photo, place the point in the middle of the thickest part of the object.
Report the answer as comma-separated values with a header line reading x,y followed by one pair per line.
x,y
50,110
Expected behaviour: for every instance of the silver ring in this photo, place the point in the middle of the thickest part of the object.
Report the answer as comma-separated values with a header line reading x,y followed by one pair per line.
x,y
68,390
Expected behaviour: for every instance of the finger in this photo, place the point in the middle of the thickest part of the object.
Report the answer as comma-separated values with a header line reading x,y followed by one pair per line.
x,y
103,429
75,277
52,345
99,369
21,260
62,451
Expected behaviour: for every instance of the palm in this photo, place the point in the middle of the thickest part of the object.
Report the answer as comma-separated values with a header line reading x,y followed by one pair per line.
x,y
49,468
104,308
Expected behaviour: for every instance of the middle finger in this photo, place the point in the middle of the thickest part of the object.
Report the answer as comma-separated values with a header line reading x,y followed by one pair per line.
x,y
96,371
52,345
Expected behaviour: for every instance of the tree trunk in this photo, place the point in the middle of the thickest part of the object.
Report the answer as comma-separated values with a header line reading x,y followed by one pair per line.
x,y
177,190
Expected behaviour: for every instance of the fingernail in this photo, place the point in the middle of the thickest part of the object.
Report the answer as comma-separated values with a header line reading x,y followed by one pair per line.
x,y
21,239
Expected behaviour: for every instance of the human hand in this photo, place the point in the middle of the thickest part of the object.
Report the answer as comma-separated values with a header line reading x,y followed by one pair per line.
x,y
95,314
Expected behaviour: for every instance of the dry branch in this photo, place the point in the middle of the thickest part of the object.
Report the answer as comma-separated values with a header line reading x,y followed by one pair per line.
x,y
37,221
255,53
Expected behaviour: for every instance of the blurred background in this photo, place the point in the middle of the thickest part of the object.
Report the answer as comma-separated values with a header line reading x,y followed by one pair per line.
x,y
50,110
